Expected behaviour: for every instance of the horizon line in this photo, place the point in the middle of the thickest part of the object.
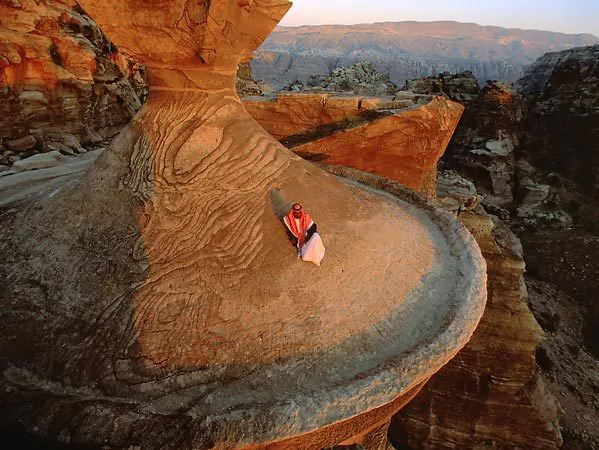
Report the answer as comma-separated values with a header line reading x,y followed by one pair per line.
x,y
437,21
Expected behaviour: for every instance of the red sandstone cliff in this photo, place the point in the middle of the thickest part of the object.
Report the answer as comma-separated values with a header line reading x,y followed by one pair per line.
x,y
59,74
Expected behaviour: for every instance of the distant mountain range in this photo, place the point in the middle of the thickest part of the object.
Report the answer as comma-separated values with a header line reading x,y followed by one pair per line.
x,y
406,50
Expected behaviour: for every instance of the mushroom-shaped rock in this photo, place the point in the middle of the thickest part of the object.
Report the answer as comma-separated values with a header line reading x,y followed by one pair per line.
x,y
158,302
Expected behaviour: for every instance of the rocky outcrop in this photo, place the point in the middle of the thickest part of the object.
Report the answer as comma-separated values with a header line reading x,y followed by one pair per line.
x,y
462,87
483,147
404,146
156,301
359,79
300,117
561,128
396,139
59,74
406,50
490,394
246,85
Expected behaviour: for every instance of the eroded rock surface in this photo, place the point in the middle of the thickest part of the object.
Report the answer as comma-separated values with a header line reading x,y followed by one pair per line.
x,y
301,117
60,75
359,79
462,87
561,130
156,301
490,394
405,146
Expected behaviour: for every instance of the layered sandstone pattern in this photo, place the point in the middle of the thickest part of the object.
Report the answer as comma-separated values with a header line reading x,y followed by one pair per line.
x,y
294,117
60,75
491,394
397,138
157,299
405,146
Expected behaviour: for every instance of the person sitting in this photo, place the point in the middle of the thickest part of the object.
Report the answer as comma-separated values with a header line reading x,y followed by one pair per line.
x,y
303,234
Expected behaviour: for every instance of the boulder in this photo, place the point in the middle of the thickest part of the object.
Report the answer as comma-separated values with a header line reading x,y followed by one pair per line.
x,y
41,161
22,144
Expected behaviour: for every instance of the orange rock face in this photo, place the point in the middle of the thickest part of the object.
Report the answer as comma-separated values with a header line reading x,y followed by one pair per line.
x,y
299,114
59,74
403,146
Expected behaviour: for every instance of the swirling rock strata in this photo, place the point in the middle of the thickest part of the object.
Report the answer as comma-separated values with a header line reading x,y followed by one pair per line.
x,y
158,302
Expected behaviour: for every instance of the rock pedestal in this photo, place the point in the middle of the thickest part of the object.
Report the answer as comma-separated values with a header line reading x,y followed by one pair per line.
x,y
158,301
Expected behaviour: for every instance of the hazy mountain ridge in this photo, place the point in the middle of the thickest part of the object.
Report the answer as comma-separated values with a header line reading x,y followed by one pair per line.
x,y
406,50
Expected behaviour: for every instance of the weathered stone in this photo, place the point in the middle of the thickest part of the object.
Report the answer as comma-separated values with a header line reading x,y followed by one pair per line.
x,y
362,78
40,161
363,133
456,194
405,146
295,116
462,87
62,148
53,55
140,287
501,147
491,392
483,146
246,85
561,128
24,143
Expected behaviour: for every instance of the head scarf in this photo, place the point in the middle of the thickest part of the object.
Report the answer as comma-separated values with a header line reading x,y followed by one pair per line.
x,y
298,226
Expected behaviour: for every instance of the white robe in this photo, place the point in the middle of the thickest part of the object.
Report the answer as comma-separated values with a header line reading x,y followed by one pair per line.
x,y
313,250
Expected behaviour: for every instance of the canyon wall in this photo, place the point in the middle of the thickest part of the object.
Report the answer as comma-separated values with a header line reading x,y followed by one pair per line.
x,y
562,123
490,394
62,82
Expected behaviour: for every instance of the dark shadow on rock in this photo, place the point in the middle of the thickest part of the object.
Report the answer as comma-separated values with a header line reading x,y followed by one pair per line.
x,y
280,206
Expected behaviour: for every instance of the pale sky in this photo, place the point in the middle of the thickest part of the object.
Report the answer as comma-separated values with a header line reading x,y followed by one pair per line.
x,y
566,16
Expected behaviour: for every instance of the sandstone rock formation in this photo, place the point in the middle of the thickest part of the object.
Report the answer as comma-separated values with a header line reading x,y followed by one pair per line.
x,y
59,74
483,147
406,50
405,146
290,118
561,127
462,87
156,302
359,79
246,85
392,138
491,394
